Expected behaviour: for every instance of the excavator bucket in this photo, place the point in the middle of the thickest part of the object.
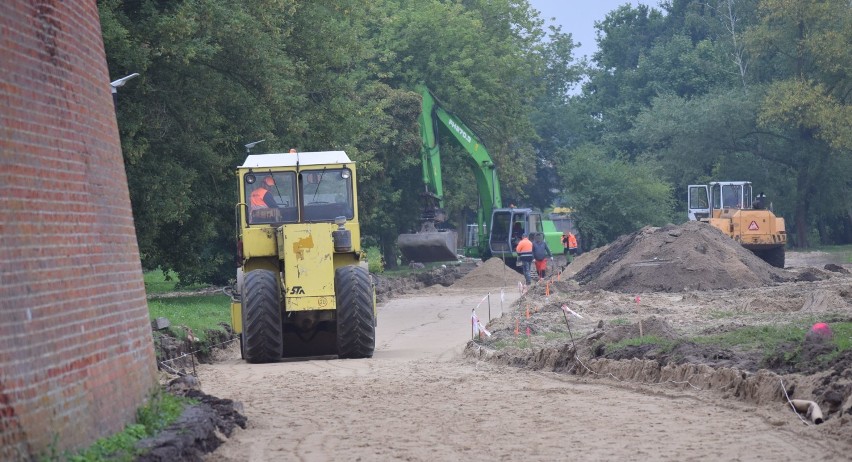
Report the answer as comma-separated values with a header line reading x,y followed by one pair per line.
x,y
427,247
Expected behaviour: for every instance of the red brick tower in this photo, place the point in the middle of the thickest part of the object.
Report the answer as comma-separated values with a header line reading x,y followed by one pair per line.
x,y
76,351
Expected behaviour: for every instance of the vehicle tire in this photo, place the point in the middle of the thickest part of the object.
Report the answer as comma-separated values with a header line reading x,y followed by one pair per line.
x,y
263,332
774,257
356,321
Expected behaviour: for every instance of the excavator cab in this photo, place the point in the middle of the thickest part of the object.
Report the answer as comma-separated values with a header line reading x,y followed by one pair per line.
x,y
507,227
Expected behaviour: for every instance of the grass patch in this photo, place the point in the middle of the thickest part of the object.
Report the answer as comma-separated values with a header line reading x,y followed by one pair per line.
x,y
160,412
722,314
518,342
198,312
844,251
663,343
786,340
765,338
556,335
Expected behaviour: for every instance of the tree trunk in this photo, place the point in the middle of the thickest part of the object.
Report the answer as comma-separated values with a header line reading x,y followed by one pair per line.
x,y
801,214
389,253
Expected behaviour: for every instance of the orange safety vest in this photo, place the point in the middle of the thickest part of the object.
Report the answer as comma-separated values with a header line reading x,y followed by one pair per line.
x,y
257,201
525,246
572,241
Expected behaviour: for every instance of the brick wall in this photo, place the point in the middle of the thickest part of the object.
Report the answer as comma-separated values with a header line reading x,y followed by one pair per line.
x,y
76,353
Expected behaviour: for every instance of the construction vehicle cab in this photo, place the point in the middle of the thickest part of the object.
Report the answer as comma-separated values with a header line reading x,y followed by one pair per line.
x,y
729,206
301,289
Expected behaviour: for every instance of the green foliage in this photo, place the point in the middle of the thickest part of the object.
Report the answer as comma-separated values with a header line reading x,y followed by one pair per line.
x,y
374,260
158,413
720,90
612,197
313,76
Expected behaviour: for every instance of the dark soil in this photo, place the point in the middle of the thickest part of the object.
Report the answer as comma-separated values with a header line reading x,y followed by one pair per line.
x,y
197,432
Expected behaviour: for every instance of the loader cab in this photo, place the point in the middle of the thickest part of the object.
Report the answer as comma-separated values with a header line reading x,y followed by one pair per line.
x,y
310,187
731,194
709,201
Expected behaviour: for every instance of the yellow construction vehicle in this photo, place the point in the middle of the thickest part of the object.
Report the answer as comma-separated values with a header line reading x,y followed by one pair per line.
x,y
728,205
302,286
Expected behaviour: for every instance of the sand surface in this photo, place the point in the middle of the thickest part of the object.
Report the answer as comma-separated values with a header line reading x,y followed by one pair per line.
x,y
419,399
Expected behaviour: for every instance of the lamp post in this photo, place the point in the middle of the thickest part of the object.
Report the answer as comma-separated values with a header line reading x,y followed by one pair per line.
x,y
120,83
252,144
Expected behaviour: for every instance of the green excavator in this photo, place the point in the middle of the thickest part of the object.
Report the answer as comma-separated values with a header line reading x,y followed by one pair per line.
x,y
497,228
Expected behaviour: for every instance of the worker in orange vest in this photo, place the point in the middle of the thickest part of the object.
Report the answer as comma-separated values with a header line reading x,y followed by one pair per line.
x,y
262,198
525,255
569,244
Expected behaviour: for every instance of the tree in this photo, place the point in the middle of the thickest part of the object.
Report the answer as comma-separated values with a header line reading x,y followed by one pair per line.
x,y
611,197
803,51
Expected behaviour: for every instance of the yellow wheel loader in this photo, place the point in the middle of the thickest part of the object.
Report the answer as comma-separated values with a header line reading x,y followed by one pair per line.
x,y
302,287
728,205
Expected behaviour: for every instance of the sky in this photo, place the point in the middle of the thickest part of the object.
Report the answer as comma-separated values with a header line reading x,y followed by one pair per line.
x,y
578,17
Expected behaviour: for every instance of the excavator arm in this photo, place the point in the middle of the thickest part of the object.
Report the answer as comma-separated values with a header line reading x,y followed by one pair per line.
x,y
434,117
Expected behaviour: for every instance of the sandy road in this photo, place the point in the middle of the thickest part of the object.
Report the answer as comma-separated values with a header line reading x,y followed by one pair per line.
x,y
418,399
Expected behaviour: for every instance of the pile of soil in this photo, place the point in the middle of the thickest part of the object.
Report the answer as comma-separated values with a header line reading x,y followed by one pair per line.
x,y
490,273
692,256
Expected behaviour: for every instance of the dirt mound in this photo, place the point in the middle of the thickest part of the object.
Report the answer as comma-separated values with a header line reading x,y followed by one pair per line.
x,y
692,256
490,273
653,327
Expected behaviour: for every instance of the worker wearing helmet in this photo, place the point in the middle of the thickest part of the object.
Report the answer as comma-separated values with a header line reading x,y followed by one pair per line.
x,y
261,198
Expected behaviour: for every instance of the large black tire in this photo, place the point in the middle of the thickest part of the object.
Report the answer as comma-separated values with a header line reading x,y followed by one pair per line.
x,y
263,331
356,321
774,257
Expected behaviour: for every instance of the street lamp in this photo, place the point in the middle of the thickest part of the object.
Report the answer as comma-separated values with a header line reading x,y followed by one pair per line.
x,y
252,144
120,83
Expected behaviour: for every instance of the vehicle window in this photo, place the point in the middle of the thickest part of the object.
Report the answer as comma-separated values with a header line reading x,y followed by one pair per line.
x,y
326,194
732,196
270,197
697,198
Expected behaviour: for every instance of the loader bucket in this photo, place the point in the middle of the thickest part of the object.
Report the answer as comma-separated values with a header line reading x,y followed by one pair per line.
x,y
427,247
